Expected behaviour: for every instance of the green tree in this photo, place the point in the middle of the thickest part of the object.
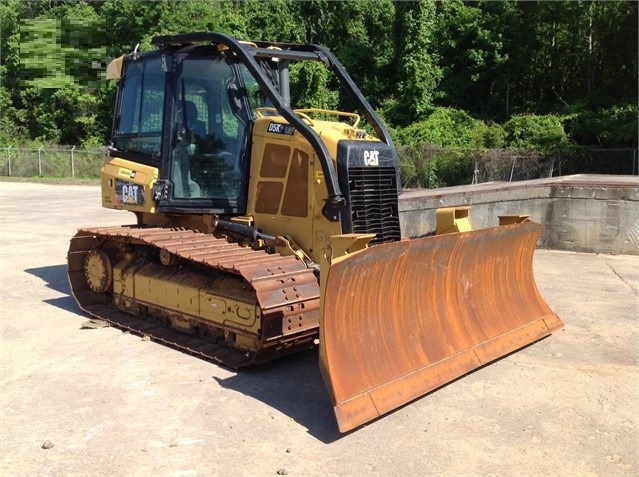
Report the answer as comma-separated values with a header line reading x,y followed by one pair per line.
x,y
359,34
275,20
62,56
495,60
446,127
10,72
416,64
540,133
561,52
613,126
472,55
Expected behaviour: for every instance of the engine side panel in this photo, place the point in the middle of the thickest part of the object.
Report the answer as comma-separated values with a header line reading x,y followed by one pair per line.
x,y
287,189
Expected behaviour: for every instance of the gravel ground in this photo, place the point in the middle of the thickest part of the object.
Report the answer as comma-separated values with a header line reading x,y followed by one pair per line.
x,y
99,402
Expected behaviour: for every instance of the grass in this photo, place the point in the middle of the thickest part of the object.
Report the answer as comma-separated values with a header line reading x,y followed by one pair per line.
x,y
51,180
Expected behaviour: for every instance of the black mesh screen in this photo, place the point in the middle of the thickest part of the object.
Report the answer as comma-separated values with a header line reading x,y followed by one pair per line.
x,y
373,200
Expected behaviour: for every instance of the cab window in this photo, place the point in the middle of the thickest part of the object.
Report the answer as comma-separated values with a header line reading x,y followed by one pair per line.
x,y
138,126
207,151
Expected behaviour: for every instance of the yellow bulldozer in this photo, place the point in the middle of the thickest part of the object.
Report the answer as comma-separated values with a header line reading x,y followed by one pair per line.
x,y
262,230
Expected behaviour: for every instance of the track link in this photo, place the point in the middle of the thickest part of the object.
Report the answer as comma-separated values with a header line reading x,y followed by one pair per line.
x,y
286,292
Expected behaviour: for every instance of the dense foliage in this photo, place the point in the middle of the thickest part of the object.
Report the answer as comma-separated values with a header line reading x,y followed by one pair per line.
x,y
482,74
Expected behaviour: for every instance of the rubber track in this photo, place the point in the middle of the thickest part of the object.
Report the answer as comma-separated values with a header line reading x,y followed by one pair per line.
x,y
283,286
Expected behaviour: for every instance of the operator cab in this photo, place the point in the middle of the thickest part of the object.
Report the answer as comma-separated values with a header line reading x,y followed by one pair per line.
x,y
188,110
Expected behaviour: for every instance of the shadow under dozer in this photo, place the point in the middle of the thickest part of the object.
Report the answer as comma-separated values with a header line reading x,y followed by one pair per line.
x,y
404,318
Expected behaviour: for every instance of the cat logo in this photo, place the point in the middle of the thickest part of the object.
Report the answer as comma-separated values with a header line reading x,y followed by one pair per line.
x,y
129,193
371,158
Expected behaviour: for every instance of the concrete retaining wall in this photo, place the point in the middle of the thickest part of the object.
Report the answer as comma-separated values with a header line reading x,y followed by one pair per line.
x,y
581,213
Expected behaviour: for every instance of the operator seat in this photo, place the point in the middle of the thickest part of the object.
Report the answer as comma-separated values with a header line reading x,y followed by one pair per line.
x,y
193,124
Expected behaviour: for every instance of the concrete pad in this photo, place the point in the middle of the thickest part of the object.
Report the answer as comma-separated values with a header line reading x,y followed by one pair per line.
x,y
112,404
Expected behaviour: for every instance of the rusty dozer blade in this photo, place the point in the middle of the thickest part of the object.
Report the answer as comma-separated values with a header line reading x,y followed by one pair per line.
x,y
404,318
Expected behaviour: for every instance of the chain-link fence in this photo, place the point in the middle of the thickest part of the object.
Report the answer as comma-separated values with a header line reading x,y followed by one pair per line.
x,y
61,162
603,161
430,166
503,165
507,165
425,166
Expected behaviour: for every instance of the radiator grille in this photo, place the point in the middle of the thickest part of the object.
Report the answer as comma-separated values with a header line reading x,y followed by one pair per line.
x,y
373,200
